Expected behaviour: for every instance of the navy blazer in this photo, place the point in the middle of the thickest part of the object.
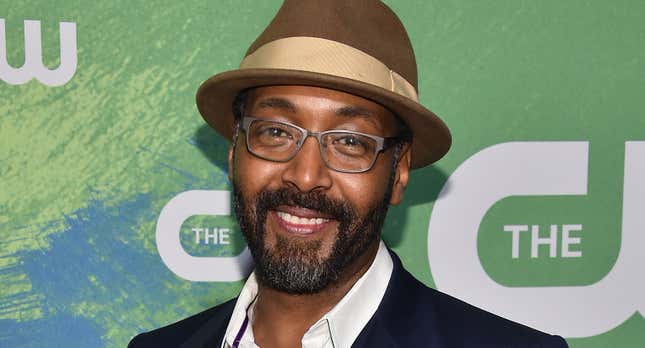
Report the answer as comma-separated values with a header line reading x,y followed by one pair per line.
x,y
410,315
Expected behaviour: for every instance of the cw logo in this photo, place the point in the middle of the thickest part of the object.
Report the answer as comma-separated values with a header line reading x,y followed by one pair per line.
x,y
537,169
33,67
173,214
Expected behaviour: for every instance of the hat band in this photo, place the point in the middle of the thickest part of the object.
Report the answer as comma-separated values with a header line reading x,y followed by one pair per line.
x,y
324,56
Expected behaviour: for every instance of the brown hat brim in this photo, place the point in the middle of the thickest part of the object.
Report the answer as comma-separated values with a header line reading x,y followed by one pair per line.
x,y
431,137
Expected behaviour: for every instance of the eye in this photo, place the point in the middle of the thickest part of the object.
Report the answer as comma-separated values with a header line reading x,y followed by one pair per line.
x,y
350,145
349,141
275,132
271,134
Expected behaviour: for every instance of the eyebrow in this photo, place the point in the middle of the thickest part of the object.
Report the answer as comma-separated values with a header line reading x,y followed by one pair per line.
x,y
277,103
348,111
356,111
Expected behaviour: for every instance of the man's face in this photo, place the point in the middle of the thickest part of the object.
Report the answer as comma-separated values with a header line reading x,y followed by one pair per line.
x,y
308,225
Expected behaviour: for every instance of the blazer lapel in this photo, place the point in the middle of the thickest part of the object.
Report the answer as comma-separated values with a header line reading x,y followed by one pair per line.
x,y
397,322
212,333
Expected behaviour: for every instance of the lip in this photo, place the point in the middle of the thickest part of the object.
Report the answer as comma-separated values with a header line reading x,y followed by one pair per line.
x,y
300,229
303,212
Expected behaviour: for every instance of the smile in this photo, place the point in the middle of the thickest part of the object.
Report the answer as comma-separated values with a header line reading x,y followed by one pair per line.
x,y
296,220
302,224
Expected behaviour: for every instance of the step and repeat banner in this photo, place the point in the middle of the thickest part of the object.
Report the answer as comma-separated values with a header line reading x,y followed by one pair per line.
x,y
115,204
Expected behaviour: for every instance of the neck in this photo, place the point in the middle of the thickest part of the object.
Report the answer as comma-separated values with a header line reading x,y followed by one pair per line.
x,y
281,319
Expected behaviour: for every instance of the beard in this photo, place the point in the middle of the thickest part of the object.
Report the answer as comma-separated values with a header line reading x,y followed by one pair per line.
x,y
294,266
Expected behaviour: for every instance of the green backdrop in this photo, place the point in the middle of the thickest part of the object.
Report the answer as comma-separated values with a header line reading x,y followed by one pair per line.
x,y
89,159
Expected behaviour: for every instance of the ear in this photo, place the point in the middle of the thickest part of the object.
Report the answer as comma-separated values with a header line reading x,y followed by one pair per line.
x,y
401,175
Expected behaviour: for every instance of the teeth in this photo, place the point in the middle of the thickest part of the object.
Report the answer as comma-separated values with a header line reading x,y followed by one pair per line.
x,y
300,220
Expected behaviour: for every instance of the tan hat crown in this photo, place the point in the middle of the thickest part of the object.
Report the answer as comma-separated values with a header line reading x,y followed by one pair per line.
x,y
367,25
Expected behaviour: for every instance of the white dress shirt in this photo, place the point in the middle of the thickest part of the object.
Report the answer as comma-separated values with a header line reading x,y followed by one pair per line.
x,y
339,327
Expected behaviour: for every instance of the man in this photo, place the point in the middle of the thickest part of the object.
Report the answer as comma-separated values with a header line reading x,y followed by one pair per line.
x,y
325,125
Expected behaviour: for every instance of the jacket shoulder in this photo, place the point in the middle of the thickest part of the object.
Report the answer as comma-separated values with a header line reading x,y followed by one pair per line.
x,y
174,335
466,325
412,314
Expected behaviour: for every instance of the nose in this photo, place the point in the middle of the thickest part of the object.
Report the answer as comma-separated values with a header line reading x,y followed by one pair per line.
x,y
307,170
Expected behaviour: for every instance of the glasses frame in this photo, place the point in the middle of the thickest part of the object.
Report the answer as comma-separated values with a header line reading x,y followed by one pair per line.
x,y
382,143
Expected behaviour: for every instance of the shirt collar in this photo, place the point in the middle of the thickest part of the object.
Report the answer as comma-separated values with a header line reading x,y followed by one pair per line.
x,y
244,305
349,316
344,322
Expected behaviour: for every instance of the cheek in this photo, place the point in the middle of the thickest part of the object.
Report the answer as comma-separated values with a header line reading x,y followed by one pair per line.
x,y
254,172
365,190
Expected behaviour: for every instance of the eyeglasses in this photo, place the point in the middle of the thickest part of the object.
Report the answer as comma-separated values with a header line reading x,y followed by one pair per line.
x,y
341,150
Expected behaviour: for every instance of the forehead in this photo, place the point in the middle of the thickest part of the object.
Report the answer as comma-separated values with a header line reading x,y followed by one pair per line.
x,y
304,101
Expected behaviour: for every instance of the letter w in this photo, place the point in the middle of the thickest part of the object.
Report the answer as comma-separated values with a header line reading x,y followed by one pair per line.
x,y
33,67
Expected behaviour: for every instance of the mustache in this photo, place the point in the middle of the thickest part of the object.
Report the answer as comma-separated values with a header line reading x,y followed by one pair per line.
x,y
337,209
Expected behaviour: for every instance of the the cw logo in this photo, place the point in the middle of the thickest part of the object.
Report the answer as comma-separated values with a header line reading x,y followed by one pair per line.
x,y
503,170
33,67
197,268
537,169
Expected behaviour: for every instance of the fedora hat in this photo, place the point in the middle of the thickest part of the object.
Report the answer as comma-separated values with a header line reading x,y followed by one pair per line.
x,y
355,46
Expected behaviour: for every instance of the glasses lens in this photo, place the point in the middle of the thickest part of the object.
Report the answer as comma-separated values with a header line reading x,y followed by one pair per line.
x,y
273,140
347,151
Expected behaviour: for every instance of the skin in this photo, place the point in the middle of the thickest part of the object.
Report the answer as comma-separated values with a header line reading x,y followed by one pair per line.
x,y
282,319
